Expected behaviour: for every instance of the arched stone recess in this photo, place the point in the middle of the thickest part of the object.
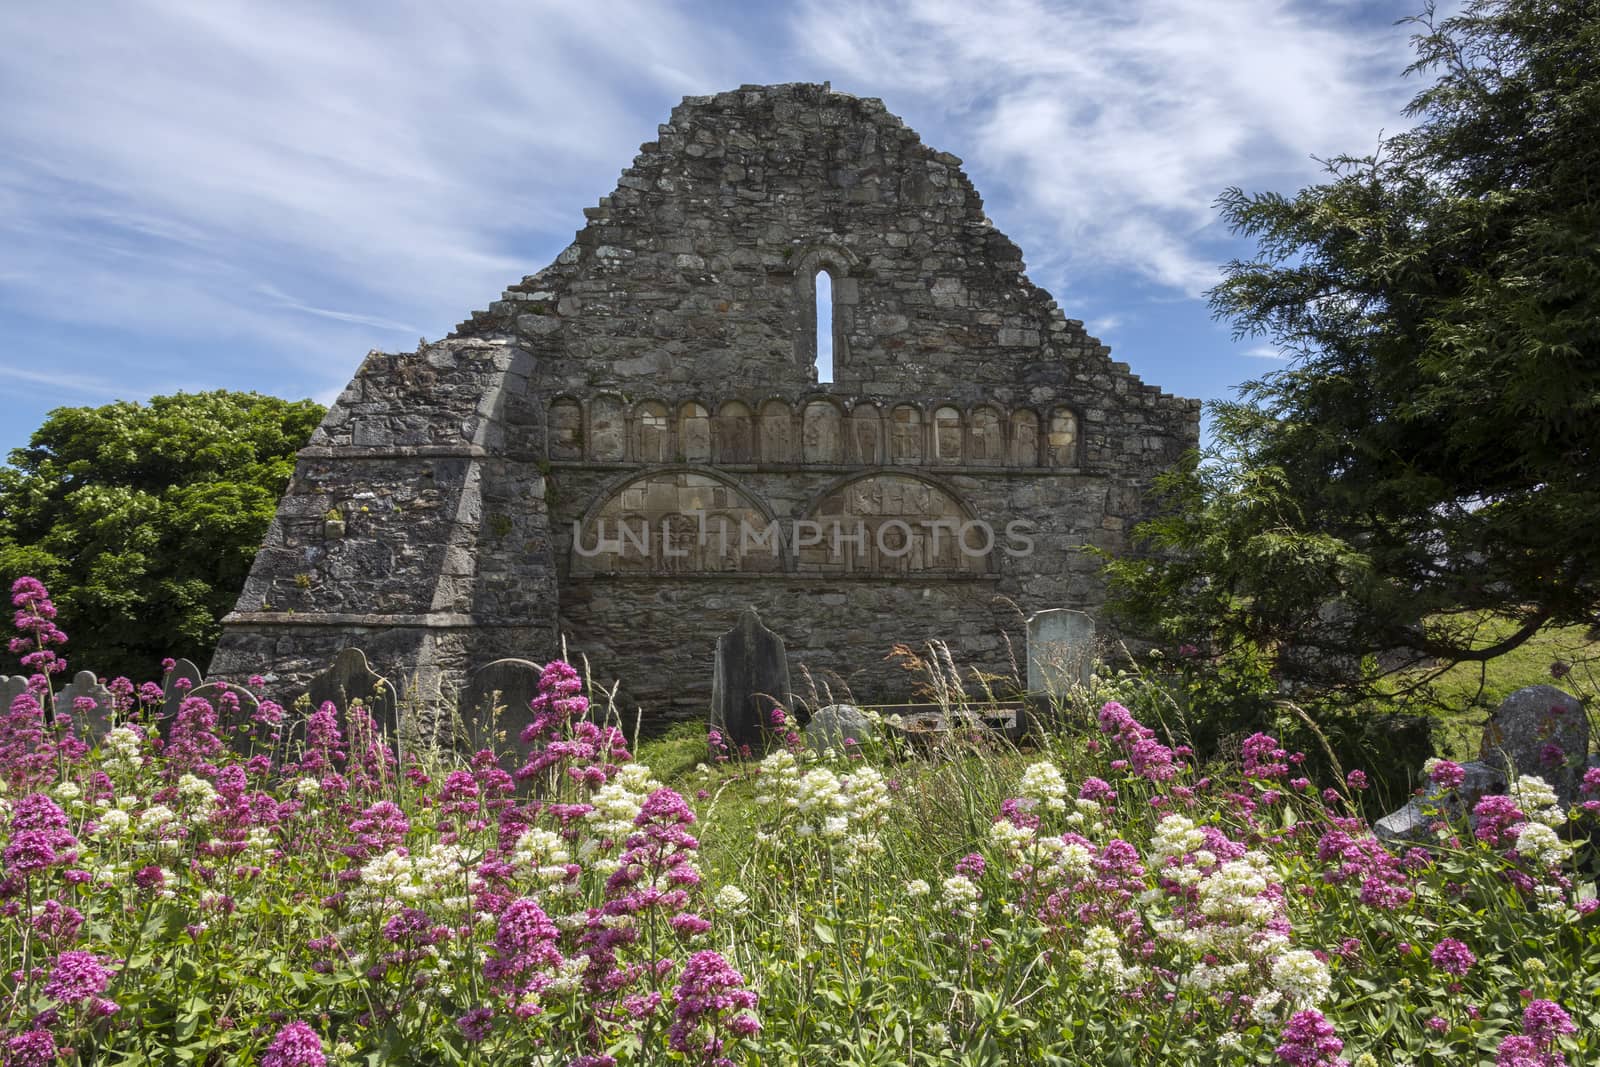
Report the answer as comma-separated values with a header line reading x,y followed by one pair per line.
x,y
1024,438
678,520
947,435
905,434
890,522
985,437
841,265
866,435
1061,439
564,429
777,444
822,438
694,433
651,433
733,434
608,430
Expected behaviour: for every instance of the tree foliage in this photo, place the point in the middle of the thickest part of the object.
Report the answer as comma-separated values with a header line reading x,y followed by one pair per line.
x,y
144,518
1428,457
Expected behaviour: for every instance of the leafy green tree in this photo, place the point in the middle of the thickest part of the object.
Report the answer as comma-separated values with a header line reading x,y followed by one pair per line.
x,y
143,519
1428,462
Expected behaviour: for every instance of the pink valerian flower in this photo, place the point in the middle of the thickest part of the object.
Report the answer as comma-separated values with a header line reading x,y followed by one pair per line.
x,y
711,1000
32,1048
1384,883
1357,779
525,950
35,622
1452,957
193,742
296,1045
381,827
476,1024
1545,1020
1517,1050
1147,757
27,753
1497,818
1263,757
1096,790
1309,1041
76,976
971,866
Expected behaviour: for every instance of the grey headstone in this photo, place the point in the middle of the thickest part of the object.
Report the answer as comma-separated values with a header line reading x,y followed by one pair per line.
x,y
1413,822
749,679
92,724
1410,823
508,684
350,678
175,695
1539,730
1060,651
233,728
11,687
830,726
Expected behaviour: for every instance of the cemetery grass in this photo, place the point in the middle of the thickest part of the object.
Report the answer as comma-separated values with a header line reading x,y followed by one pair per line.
x,y
178,895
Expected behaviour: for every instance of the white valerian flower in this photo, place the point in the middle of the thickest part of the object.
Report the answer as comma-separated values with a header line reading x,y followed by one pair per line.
x,y
1042,782
938,1035
544,853
156,818
1302,978
200,796
1535,796
1175,836
307,787
1539,843
732,900
113,823
1102,956
962,894
67,792
918,888
1266,1005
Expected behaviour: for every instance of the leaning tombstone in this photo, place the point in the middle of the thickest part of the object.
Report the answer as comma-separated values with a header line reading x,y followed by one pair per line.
x,y
831,727
350,678
183,679
90,705
236,708
11,687
495,707
750,678
1539,730
1060,651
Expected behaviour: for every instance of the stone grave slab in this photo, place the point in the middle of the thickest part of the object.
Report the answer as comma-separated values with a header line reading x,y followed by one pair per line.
x,y
507,684
232,726
1060,650
182,670
11,687
92,724
750,678
351,678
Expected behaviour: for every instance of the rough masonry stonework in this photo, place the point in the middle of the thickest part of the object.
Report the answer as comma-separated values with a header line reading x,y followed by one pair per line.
x,y
631,446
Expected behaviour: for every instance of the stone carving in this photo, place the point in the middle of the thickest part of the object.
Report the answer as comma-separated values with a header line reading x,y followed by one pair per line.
x,y
749,678
733,434
350,678
235,707
507,684
177,684
90,723
830,726
891,524
689,295
1060,651
1539,730
677,522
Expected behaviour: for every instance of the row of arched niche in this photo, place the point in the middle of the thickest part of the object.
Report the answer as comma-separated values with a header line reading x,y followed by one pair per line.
x,y
820,431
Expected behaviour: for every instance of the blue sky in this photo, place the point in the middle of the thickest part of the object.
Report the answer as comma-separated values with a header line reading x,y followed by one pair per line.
x,y
251,196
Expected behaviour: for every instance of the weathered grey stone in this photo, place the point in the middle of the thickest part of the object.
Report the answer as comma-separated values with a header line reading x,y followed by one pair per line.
x,y
1409,823
1414,821
90,723
661,376
830,726
350,678
1539,730
750,677
1060,650
234,716
183,671
11,687
508,685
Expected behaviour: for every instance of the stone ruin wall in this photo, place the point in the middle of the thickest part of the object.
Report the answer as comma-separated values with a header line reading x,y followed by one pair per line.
x,y
665,364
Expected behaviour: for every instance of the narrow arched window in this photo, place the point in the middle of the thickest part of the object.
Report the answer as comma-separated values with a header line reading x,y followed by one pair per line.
x,y
824,289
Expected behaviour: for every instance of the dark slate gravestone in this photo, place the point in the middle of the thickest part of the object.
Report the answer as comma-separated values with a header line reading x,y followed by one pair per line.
x,y
1060,651
506,684
350,678
182,670
90,723
749,679
1539,730
232,726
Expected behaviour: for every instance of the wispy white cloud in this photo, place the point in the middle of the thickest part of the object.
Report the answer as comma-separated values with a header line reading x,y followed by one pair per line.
x,y
1112,128
61,381
1266,352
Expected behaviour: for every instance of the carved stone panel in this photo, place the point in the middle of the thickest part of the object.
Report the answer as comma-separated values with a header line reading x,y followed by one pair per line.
x,y
866,436
652,433
733,434
822,435
1024,439
890,524
984,445
677,522
694,433
777,433
947,435
1061,444
905,435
